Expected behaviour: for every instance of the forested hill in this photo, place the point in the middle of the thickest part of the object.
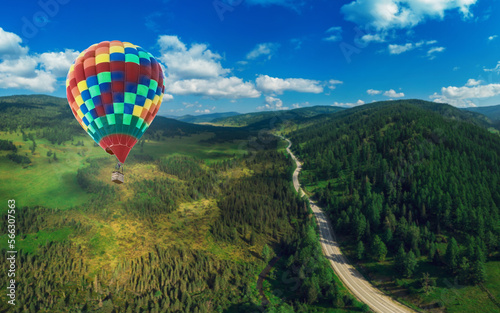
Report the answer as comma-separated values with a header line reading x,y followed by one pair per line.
x,y
402,178
27,111
492,112
271,118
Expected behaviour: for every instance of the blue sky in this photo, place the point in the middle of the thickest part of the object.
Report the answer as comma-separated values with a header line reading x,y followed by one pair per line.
x,y
251,55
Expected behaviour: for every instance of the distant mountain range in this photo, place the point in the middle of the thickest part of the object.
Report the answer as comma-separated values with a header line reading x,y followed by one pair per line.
x,y
202,118
491,112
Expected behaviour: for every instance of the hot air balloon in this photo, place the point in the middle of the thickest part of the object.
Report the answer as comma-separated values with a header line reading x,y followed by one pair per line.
x,y
115,89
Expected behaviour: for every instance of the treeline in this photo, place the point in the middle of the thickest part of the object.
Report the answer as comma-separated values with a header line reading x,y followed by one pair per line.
x,y
401,179
19,159
7,145
263,203
86,177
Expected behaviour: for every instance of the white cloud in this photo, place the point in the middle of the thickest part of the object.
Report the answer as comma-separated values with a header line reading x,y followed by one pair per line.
x,y
379,37
219,87
167,97
34,72
472,82
183,63
41,81
396,14
332,83
393,94
495,69
398,49
492,37
301,105
197,71
462,96
206,111
273,104
349,105
188,105
10,45
334,34
276,85
373,92
266,49
431,54
59,62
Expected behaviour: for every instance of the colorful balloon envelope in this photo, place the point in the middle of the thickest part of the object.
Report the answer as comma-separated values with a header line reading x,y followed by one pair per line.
x,y
115,90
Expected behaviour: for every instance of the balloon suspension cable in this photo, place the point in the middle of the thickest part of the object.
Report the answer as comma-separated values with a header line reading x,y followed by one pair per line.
x,y
119,167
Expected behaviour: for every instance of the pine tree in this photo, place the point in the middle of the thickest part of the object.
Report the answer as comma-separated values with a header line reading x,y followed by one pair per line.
x,y
451,256
478,273
379,250
399,260
410,264
360,250
426,283
266,253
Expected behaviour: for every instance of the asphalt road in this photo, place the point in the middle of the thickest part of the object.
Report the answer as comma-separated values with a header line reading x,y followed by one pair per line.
x,y
352,279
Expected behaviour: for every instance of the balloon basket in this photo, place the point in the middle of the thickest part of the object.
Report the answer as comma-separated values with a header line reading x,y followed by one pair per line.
x,y
117,177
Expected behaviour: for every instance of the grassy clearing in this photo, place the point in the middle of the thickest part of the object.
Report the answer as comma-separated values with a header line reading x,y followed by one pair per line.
x,y
43,183
54,184
191,145
31,242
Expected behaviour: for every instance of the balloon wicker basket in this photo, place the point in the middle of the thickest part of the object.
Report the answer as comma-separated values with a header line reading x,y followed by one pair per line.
x,y
117,177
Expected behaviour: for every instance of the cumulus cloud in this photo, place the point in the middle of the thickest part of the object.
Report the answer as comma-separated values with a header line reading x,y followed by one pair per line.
x,y
348,104
34,72
219,87
397,14
272,104
167,97
334,34
196,70
492,37
472,82
373,92
398,49
196,61
267,49
10,45
276,85
59,62
391,93
368,38
463,96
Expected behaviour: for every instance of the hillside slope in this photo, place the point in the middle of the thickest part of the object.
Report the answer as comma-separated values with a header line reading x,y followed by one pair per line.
x,y
414,187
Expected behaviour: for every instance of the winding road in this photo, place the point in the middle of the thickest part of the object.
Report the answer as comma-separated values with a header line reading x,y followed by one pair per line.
x,y
352,279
